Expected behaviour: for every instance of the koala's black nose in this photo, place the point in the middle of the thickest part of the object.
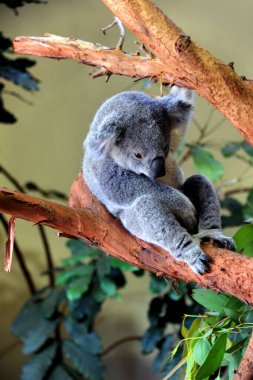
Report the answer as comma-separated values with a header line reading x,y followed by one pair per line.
x,y
158,167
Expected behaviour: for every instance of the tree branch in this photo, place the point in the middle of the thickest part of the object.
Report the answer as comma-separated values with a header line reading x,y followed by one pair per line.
x,y
211,78
88,219
179,60
110,60
245,369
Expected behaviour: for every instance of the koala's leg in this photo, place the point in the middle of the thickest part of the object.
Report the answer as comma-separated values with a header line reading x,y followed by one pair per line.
x,y
151,220
203,196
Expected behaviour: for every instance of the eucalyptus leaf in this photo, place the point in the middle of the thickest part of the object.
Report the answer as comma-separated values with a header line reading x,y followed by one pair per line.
x,y
206,164
201,350
209,299
244,240
120,264
213,359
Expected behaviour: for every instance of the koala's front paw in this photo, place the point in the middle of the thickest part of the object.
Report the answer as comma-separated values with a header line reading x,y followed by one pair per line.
x,y
200,263
217,238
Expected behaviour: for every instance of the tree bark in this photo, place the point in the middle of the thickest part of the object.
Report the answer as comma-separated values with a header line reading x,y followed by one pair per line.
x,y
215,81
88,219
245,369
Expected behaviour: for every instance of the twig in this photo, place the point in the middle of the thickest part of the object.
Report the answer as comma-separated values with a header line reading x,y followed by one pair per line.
x,y
18,96
121,29
119,343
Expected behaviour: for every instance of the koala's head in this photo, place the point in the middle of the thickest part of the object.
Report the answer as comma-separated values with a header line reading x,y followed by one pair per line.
x,y
135,129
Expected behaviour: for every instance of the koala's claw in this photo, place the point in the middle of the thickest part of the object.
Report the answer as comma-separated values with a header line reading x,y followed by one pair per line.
x,y
225,242
202,263
215,236
221,242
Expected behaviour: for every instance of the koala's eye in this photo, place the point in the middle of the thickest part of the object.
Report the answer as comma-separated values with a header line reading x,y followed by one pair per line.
x,y
138,155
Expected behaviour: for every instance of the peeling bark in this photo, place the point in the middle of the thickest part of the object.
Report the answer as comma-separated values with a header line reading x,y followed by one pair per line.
x,y
88,219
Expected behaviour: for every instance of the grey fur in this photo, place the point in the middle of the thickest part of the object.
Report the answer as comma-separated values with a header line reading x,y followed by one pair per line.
x,y
129,139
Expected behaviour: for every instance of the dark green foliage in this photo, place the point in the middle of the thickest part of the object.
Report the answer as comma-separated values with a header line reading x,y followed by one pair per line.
x,y
235,210
206,164
89,365
38,366
32,327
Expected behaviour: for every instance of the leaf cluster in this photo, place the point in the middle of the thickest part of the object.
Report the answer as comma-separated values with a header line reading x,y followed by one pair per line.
x,y
84,281
214,343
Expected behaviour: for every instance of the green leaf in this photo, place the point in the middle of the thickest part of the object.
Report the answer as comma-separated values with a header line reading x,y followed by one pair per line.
x,y
230,149
209,299
120,264
206,164
88,364
90,342
237,346
32,328
108,286
84,271
103,266
52,301
158,284
150,339
77,288
201,350
244,240
85,308
59,373
214,358
37,367
234,303
248,207
78,246
247,148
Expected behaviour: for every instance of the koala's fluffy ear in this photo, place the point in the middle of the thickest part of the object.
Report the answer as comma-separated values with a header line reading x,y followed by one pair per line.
x,y
180,105
105,136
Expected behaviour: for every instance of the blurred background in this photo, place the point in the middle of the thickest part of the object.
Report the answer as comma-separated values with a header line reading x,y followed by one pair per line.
x,y
45,145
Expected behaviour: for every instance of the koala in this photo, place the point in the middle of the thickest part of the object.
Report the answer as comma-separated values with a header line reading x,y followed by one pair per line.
x,y
129,166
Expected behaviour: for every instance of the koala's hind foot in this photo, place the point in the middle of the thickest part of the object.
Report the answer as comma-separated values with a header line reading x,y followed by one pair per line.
x,y
199,262
217,237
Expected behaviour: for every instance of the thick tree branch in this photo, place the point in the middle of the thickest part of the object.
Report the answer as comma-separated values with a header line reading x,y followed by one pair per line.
x,y
214,80
87,219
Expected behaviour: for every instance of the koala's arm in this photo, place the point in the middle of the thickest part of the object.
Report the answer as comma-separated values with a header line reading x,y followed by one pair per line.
x,y
203,196
164,219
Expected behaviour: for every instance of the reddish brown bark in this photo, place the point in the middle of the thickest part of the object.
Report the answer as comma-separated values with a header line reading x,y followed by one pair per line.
x,y
245,370
87,219
211,78
111,60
